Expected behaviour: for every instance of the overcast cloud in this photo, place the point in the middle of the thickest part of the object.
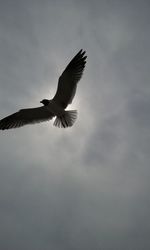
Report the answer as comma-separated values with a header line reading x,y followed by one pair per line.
x,y
87,187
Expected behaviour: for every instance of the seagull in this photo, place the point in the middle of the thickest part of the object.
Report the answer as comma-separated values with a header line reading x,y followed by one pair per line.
x,y
66,89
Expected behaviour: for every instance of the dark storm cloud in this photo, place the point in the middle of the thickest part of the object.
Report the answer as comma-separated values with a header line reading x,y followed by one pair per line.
x,y
88,187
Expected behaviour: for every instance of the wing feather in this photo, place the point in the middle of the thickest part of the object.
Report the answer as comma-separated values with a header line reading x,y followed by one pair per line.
x,y
67,83
26,116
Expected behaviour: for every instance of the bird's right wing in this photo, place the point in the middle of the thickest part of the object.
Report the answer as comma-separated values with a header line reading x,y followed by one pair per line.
x,y
26,116
67,83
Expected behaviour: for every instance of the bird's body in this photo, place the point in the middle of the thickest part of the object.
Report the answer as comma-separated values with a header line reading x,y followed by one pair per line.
x,y
54,108
66,89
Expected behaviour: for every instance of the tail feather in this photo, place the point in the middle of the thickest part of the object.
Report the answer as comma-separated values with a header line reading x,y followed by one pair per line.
x,y
67,120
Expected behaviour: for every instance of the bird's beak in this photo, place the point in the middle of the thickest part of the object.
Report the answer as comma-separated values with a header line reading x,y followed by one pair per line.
x,y
40,101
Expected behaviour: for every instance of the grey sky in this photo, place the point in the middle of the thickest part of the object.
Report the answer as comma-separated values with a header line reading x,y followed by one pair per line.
x,y
86,187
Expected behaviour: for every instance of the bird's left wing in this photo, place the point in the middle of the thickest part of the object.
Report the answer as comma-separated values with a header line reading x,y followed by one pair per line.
x,y
68,80
26,116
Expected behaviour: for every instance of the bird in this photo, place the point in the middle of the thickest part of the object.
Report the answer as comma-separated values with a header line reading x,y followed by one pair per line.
x,y
56,107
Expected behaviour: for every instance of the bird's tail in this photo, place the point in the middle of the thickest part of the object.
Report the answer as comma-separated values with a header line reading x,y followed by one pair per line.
x,y
67,120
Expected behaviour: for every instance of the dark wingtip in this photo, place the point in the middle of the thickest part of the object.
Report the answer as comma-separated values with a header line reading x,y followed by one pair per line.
x,y
81,52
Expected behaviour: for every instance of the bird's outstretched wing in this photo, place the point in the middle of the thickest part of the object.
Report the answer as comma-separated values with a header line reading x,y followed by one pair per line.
x,y
26,116
68,80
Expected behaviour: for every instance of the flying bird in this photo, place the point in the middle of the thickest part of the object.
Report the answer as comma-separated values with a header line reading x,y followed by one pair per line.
x,y
55,107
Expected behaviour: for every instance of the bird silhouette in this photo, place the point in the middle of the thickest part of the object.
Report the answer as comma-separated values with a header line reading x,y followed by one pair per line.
x,y
55,107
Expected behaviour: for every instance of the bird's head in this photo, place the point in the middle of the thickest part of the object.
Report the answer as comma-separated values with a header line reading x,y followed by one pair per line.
x,y
45,102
